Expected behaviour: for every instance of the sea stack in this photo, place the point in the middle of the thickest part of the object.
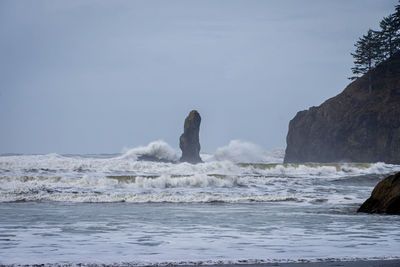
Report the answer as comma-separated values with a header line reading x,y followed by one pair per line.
x,y
385,197
361,124
189,140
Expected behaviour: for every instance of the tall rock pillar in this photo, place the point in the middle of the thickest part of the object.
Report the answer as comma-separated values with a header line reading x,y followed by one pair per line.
x,y
189,140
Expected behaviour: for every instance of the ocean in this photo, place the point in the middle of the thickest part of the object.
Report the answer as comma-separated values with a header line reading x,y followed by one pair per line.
x,y
242,205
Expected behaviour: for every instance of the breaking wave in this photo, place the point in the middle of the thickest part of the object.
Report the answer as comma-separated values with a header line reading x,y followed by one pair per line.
x,y
158,150
146,198
239,172
236,151
245,152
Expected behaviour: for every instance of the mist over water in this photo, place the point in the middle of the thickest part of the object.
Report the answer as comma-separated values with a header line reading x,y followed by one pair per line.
x,y
241,204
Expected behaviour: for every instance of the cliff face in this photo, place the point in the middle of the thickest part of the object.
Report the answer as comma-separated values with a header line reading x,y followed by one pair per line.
x,y
358,125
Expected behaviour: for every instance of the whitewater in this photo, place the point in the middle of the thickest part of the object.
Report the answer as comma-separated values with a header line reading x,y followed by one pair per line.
x,y
242,205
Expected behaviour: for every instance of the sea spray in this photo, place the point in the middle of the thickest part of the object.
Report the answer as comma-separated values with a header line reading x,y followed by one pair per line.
x,y
244,152
158,149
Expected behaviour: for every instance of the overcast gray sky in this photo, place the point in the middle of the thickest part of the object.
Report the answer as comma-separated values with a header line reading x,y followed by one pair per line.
x,y
98,76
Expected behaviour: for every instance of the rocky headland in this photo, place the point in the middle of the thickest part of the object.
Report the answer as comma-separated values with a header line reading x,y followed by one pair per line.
x,y
361,124
189,141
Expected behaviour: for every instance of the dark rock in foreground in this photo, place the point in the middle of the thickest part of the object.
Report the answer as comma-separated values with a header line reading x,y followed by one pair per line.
x,y
356,126
385,197
189,140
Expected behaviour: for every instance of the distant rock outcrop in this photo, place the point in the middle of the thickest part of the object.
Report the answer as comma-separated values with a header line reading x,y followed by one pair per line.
x,y
385,197
189,140
358,125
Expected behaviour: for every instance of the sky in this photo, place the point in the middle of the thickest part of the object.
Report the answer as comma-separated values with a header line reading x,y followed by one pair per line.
x,y
100,76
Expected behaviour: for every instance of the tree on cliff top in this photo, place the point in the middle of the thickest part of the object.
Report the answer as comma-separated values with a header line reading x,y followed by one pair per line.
x,y
398,8
367,55
389,34
377,46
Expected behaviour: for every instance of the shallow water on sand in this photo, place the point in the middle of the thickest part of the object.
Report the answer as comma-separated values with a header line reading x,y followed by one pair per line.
x,y
48,232
113,209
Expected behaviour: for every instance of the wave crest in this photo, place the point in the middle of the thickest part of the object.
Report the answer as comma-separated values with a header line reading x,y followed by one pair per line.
x,y
245,152
157,150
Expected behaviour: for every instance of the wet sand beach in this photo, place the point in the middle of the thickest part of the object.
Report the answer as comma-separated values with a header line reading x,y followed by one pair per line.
x,y
377,263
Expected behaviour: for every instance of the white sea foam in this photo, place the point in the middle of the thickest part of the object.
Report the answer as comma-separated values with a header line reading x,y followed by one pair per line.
x,y
245,152
220,178
77,166
223,162
157,149
298,212
333,170
196,188
147,198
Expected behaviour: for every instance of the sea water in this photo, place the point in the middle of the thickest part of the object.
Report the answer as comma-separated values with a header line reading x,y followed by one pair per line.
x,y
242,205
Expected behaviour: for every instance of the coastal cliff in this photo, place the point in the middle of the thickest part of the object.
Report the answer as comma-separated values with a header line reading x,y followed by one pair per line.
x,y
361,124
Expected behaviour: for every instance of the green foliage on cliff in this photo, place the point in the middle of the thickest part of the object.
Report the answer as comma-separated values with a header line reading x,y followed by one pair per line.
x,y
377,46
367,55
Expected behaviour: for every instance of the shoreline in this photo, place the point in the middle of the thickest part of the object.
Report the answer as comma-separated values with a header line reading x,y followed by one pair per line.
x,y
357,263
322,263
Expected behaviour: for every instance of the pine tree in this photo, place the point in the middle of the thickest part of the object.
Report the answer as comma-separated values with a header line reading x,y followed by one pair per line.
x,y
389,35
367,55
377,46
397,19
